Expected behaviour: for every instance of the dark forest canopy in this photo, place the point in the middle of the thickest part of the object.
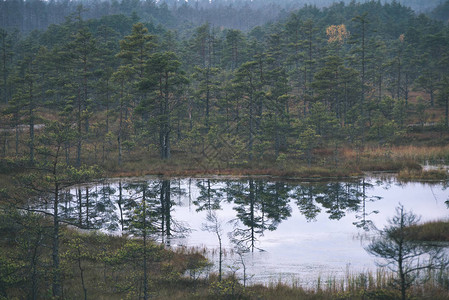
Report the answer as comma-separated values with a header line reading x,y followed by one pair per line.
x,y
28,15
319,78
441,12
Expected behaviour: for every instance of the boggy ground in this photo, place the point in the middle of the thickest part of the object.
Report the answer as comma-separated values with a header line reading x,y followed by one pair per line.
x,y
100,266
406,161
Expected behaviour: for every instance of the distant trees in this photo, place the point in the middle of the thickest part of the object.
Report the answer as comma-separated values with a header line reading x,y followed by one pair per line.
x,y
242,14
22,104
441,11
6,53
313,80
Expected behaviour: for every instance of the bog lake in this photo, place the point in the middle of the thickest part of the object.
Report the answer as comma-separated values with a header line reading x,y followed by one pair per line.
x,y
286,230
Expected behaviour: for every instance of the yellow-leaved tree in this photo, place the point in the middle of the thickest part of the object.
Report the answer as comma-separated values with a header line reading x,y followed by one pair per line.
x,y
337,33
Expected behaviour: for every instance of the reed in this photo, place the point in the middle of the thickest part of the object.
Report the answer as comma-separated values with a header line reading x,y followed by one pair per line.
x,y
111,269
434,231
422,175
408,152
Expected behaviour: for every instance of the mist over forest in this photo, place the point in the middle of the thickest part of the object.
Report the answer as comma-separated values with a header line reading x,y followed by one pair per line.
x,y
26,16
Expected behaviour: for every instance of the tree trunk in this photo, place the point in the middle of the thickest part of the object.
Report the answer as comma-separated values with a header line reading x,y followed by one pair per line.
x,y
120,200
162,201
81,273
251,128
4,61
446,102
252,200
145,279
78,149
119,137
207,98
220,259
87,207
55,254
167,208
17,138
31,112
80,208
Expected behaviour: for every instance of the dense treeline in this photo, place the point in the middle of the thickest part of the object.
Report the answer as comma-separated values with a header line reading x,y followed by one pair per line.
x,y
26,16
319,78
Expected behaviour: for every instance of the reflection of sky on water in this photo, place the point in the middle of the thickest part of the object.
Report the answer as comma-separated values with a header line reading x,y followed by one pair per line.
x,y
299,251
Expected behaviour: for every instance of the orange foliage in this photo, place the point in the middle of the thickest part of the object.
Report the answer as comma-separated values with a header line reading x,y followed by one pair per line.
x,y
337,33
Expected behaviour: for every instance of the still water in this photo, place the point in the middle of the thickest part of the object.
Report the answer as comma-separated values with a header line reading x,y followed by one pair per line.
x,y
286,230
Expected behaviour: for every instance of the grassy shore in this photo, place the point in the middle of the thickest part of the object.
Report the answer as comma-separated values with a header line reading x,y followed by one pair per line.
x,y
325,162
406,161
100,266
435,231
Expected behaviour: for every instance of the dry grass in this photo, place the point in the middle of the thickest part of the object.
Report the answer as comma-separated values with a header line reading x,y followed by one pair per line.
x,y
410,152
349,160
423,175
172,168
436,231
112,267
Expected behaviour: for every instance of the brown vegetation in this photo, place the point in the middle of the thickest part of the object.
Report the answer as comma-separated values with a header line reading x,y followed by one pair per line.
x,y
435,231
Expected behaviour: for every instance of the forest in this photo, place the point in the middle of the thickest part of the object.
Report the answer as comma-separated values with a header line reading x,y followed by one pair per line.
x,y
99,89
175,14
316,82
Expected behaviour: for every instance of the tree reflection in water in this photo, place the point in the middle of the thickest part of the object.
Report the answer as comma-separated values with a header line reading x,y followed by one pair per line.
x,y
336,198
256,214
259,205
